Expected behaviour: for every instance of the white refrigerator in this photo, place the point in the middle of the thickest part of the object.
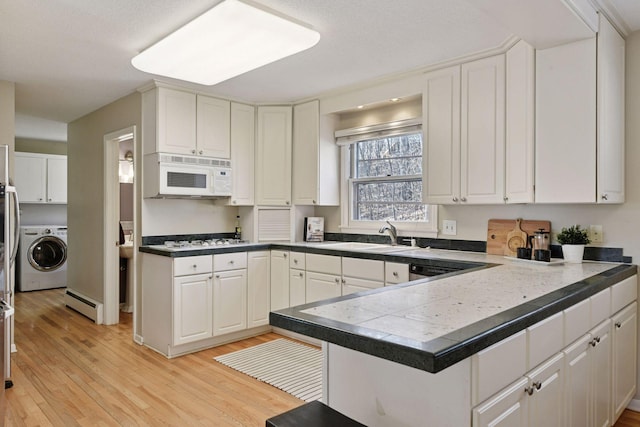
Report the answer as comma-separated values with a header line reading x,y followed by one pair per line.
x,y
9,235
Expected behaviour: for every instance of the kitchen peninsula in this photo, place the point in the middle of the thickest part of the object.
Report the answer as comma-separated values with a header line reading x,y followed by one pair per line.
x,y
502,339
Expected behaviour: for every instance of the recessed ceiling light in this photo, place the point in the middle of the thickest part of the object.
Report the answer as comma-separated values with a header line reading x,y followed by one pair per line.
x,y
228,40
360,107
395,99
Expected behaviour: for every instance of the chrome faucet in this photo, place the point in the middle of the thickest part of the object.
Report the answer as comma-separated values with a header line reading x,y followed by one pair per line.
x,y
393,233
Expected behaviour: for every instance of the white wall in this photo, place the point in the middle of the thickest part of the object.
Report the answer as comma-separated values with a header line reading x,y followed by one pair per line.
x,y
8,118
182,216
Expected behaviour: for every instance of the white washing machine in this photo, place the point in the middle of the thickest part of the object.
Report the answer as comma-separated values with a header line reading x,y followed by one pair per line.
x,y
42,260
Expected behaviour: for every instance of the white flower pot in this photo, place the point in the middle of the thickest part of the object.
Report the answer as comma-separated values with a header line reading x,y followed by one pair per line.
x,y
573,253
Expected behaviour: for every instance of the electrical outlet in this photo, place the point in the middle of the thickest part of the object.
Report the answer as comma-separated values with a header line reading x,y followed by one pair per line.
x,y
449,227
595,233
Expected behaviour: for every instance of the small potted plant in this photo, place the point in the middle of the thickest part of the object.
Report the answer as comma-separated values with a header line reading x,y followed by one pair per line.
x,y
573,240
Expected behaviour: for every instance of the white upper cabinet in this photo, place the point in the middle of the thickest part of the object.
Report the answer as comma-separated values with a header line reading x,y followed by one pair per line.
x,y
315,157
482,131
213,127
610,97
181,122
580,120
41,178
242,154
463,124
520,124
169,121
273,156
441,136
566,123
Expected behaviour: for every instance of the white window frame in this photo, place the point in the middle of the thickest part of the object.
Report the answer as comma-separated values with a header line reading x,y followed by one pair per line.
x,y
405,228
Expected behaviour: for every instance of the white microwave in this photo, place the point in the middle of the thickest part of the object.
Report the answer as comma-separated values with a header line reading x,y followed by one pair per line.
x,y
171,175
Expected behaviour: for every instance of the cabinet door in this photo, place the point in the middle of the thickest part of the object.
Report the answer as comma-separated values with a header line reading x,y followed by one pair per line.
x,y
213,131
306,139
31,178
508,408
322,286
566,123
242,154
57,180
259,291
273,160
624,358
577,374
176,121
601,375
192,308
520,123
482,131
546,406
395,273
441,137
610,96
297,287
279,280
229,301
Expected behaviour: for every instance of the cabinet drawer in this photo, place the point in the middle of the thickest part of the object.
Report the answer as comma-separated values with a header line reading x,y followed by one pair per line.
x,y
544,339
600,307
296,260
497,366
192,265
327,264
396,272
624,293
231,261
576,321
367,269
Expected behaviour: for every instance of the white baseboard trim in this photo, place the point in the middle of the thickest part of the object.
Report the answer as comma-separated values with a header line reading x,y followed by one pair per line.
x,y
634,405
138,339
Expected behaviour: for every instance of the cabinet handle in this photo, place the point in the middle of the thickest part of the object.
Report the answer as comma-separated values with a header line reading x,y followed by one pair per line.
x,y
234,202
529,390
40,199
200,152
463,199
618,325
194,266
49,200
217,276
593,343
395,274
210,277
288,202
231,262
605,196
537,385
455,199
597,340
337,280
506,199
313,201
193,151
284,255
301,275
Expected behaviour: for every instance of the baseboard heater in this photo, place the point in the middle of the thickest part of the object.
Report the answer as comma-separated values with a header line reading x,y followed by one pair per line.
x,y
84,305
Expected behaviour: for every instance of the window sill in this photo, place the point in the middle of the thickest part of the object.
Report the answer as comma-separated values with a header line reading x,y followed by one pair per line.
x,y
404,230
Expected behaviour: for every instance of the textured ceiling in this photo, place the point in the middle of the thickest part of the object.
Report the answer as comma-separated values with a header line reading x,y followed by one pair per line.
x,y
70,57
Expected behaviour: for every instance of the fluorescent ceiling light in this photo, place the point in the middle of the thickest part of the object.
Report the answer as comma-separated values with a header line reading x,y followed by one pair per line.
x,y
228,40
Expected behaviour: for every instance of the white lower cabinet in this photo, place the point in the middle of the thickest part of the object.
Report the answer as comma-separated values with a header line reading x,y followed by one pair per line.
x,y
279,280
297,287
321,286
258,289
229,301
587,375
624,343
361,274
192,308
395,272
534,400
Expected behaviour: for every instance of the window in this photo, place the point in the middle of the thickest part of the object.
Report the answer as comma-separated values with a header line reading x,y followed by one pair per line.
x,y
387,179
383,169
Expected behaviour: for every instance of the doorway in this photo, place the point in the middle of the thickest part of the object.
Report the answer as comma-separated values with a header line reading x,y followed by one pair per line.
x,y
120,165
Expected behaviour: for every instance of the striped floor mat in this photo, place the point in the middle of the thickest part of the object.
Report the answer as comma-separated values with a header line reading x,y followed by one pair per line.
x,y
290,366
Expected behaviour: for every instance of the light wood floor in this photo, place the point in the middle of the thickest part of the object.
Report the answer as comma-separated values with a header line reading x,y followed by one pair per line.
x,y
70,372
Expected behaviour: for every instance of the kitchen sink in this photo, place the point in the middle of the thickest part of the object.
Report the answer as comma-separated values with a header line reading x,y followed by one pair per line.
x,y
364,247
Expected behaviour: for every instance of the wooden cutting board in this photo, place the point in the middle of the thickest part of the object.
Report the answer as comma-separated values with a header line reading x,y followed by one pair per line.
x,y
498,231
